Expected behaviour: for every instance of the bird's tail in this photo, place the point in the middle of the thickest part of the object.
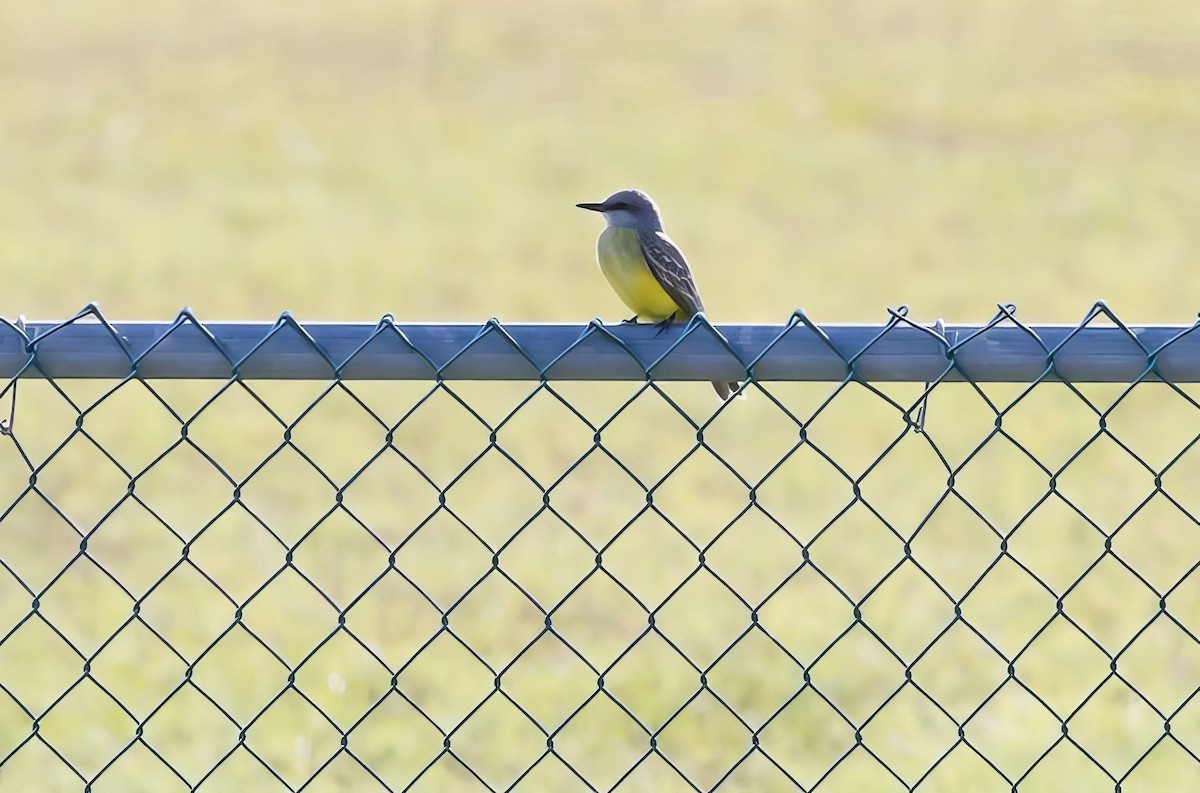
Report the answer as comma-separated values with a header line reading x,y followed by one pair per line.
x,y
724,390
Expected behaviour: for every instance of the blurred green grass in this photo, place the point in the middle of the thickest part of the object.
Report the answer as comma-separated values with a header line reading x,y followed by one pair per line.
x,y
418,159
342,161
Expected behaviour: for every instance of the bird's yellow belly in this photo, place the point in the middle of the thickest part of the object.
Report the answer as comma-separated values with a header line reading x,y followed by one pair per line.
x,y
622,263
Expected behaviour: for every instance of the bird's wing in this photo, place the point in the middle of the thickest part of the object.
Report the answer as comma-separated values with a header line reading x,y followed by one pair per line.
x,y
670,269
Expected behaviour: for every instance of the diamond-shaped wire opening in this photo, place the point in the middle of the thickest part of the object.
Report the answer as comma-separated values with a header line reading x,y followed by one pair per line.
x,y
650,558
134,547
547,559
1056,544
498,742
956,545
37,542
908,611
1105,459
445,681
889,487
601,742
1063,665
342,680
597,497
36,686
1053,421
1013,730
774,426
342,452
393,619
959,671
341,557
82,482
702,618
1156,422
185,490
238,575
1160,542
421,436
754,556
1162,664
755,678
806,614
1111,604
396,762
652,679
544,434
702,496
1001,483
1115,726
600,620
87,727
857,551
805,492
390,497
549,681
910,734
289,494
1008,607
496,620
236,429
187,611
240,674
133,444
85,606
293,738
443,558
494,498
290,615
649,455
704,740
857,675
190,733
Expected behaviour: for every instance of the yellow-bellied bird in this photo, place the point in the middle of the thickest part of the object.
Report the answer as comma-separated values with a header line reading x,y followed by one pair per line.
x,y
645,268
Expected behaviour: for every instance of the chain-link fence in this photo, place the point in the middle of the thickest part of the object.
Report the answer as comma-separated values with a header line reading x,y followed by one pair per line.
x,y
381,557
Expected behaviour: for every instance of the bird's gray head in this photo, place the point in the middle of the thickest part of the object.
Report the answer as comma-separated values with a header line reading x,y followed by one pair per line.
x,y
628,209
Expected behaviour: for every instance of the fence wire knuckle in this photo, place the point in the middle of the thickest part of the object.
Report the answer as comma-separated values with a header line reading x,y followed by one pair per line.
x,y
387,556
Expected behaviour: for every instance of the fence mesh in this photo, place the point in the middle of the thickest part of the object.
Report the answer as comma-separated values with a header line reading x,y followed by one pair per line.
x,y
455,585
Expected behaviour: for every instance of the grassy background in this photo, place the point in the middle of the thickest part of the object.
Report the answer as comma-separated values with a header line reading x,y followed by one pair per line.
x,y
345,160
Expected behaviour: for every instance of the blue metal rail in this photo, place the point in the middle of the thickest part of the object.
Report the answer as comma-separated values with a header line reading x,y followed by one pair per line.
x,y
1099,349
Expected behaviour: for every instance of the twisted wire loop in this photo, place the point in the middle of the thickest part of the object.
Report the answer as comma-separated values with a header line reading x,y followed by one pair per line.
x,y
378,556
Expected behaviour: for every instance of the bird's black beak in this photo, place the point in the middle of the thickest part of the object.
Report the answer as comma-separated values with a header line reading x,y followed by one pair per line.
x,y
594,207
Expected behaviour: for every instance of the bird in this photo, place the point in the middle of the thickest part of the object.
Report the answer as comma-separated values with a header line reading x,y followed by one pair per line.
x,y
644,266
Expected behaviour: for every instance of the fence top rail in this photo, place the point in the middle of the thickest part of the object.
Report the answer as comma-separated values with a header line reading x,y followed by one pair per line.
x,y
900,350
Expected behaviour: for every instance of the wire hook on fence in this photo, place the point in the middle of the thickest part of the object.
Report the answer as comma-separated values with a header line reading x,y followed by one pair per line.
x,y
939,328
6,425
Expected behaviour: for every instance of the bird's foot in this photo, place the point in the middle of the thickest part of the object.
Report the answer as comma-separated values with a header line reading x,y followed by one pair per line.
x,y
663,325
631,321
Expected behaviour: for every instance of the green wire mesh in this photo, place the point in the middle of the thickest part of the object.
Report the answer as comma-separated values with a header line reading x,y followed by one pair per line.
x,y
544,585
